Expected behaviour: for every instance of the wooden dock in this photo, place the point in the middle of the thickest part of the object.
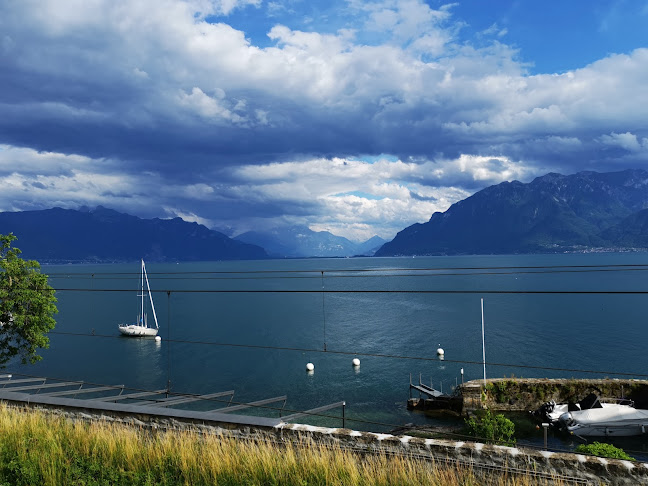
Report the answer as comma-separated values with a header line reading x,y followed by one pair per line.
x,y
436,399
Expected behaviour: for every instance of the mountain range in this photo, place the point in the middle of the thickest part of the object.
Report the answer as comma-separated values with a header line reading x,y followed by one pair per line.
x,y
553,213
302,242
105,235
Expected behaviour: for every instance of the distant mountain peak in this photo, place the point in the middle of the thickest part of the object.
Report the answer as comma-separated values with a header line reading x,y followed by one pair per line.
x,y
554,212
299,241
106,235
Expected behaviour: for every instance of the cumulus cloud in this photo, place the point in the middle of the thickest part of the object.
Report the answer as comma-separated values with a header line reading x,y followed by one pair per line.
x,y
98,93
356,197
627,141
410,23
353,197
144,66
210,108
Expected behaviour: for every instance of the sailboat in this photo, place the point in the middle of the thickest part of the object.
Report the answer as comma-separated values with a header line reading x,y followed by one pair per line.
x,y
141,327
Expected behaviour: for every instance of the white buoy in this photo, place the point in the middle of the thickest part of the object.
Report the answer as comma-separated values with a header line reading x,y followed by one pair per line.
x,y
356,362
310,366
158,338
440,351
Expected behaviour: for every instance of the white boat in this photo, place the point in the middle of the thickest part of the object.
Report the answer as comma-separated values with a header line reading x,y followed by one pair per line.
x,y
615,420
141,327
551,411
592,417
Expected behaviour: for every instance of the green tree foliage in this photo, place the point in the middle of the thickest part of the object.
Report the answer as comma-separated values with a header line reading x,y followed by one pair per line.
x,y
603,450
27,306
491,428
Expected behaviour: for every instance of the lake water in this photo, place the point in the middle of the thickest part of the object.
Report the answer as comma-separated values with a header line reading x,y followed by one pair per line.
x,y
259,340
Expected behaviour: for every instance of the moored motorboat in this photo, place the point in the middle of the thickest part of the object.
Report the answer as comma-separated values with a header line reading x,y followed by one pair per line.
x,y
615,420
551,411
594,417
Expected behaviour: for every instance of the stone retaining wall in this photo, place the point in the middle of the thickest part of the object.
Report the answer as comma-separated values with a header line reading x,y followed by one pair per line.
x,y
523,394
488,460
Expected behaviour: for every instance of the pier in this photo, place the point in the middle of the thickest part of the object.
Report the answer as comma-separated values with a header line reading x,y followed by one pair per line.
x,y
118,400
436,399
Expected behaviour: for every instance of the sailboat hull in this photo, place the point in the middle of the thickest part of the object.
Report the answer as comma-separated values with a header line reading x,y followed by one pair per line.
x,y
134,330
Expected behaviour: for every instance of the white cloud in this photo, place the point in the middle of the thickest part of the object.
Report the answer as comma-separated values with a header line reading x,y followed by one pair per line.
x,y
355,197
627,141
607,92
186,216
29,161
226,7
209,107
102,90
173,61
410,23
495,30
358,197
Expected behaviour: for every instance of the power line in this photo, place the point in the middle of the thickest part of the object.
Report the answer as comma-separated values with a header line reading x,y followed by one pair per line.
x,y
354,353
441,273
365,291
367,270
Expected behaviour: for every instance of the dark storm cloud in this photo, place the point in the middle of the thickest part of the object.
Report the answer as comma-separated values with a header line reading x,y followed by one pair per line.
x,y
103,101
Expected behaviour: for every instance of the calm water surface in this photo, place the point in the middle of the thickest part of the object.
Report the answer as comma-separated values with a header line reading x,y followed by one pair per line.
x,y
215,341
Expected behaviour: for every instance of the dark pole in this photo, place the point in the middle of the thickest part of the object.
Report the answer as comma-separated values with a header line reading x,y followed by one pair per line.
x,y
168,343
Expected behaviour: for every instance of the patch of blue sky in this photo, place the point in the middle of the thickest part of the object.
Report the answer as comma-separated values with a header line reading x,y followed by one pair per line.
x,y
554,36
324,17
361,194
372,159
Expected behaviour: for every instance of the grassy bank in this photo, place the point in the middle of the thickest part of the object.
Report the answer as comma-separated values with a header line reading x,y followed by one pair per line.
x,y
37,448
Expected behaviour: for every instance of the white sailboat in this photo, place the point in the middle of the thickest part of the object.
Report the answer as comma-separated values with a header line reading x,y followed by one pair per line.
x,y
141,327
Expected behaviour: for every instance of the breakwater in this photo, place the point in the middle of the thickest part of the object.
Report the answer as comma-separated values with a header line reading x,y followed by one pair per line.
x,y
522,394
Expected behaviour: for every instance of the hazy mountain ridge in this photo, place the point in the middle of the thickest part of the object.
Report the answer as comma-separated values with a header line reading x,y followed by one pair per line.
x,y
105,235
302,242
552,213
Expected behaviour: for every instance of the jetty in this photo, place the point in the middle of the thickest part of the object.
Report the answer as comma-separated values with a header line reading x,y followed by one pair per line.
x,y
436,399
81,397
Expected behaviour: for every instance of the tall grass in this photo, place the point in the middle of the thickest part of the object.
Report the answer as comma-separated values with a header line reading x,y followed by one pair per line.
x,y
37,448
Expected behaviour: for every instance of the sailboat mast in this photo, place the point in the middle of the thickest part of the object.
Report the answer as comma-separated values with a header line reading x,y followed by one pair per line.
x,y
149,294
142,296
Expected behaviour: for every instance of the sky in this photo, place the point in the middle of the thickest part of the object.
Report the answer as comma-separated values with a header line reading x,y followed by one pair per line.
x,y
355,117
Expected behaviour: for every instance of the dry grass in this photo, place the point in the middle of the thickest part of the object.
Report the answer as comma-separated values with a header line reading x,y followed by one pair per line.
x,y
37,448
